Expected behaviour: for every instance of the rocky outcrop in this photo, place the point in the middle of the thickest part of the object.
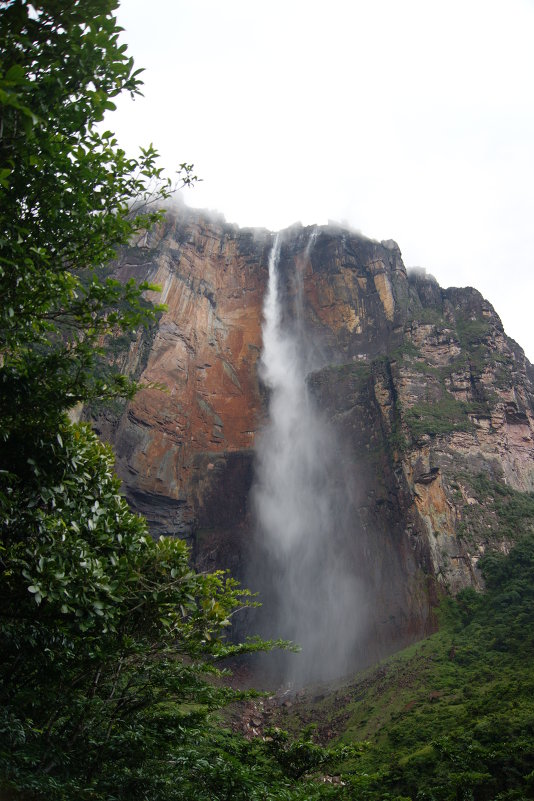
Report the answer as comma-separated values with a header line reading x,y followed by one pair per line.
x,y
184,444
426,395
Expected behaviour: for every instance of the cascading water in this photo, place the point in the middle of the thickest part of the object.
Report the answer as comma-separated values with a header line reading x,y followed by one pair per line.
x,y
310,595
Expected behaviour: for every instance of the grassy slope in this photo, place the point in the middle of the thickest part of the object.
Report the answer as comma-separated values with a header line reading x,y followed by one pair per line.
x,y
451,717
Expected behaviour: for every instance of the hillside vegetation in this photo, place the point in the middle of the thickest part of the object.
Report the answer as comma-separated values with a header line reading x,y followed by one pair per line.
x,y
449,718
453,716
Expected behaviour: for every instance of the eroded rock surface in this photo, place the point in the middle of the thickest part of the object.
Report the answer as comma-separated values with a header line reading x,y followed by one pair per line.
x,y
426,395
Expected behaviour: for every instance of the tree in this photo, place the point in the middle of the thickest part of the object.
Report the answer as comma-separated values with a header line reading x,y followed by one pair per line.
x,y
69,197
106,636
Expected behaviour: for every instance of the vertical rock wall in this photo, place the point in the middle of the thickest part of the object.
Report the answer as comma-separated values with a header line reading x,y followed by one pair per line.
x,y
426,395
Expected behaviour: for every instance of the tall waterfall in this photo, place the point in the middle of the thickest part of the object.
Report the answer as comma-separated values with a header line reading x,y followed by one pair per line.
x,y
309,594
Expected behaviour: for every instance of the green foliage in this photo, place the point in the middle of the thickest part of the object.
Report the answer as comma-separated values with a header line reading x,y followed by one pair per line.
x,y
514,509
501,513
441,417
406,349
453,716
106,635
472,332
69,196
429,315
295,757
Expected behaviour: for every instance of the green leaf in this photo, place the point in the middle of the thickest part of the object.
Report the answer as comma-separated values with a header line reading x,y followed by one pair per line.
x,y
15,74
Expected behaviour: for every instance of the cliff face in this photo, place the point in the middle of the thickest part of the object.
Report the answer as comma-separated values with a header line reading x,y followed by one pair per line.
x,y
430,401
184,447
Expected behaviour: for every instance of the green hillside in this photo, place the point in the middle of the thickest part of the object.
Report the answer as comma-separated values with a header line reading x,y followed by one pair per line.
x,y
451,717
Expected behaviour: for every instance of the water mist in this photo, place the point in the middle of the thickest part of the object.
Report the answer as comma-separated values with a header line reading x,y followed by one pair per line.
x,y
309,593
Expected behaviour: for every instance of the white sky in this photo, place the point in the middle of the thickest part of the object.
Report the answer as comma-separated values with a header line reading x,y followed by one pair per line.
x,y
408,119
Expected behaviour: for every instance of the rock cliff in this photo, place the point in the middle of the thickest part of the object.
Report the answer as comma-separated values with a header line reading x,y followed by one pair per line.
x,y
431,403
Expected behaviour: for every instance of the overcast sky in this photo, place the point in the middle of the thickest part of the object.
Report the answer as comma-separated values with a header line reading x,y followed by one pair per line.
x,y
410,120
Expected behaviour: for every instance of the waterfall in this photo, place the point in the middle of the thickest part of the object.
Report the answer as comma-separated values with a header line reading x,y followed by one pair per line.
x,y
309,593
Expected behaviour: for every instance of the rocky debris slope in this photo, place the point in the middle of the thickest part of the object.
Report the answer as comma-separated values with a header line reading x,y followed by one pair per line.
x,y
431,404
